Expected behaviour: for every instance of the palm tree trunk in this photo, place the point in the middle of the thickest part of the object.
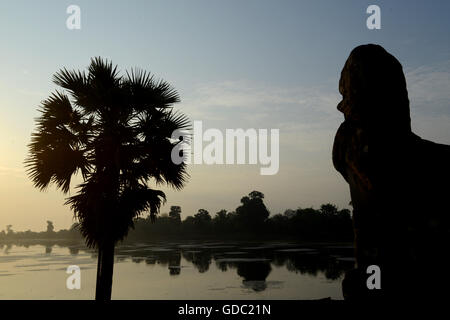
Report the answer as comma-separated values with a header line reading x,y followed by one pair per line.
x,y
105,267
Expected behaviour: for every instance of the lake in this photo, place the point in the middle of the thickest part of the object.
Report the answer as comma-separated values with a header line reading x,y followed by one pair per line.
x,y
180,270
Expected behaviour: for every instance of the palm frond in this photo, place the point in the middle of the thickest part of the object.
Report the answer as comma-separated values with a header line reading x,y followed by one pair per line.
x,y
99,220
146,93
56,151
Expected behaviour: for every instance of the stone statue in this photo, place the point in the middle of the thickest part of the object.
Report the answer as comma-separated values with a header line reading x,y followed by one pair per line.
x,y
399,183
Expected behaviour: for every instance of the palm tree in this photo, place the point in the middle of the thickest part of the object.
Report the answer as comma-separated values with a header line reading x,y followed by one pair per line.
x,y
116,131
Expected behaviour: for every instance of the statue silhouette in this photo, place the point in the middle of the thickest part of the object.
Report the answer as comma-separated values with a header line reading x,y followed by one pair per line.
x,y
399,183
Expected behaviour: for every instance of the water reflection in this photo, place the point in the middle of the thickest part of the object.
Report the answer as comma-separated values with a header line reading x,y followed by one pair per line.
x,y
253,263
200,259
74,250
254,274
48,249
312,264
7,248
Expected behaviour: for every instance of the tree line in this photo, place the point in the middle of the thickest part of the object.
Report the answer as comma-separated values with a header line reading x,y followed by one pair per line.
x,y
249,220
64,234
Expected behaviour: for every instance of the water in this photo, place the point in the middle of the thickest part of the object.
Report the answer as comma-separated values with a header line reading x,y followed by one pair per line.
x,y
187,270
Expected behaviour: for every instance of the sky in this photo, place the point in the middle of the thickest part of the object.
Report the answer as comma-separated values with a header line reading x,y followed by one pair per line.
x,y
236,64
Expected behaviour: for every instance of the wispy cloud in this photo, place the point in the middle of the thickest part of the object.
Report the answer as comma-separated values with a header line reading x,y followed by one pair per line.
x,y
249,104
306,116
429,95
429,88
12,172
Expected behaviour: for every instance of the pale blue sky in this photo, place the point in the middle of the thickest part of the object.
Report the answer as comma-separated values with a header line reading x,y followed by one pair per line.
x,y
249,64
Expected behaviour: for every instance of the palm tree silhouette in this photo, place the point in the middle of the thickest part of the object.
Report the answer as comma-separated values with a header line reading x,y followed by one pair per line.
x,y
116,131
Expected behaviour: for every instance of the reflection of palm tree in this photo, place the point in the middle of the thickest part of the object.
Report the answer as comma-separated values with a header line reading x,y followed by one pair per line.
x,y
116,131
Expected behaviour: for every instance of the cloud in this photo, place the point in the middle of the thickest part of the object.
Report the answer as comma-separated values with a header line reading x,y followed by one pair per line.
x,y
429,88
306,116
250,104
14,172
429,95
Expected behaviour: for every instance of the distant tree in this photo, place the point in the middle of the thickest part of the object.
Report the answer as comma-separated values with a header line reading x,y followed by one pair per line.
x,y
202,217
345,214
289,213
345,224
9,230
189,221
175,214
329,209
50,227
221,220
164,225
188,225
221,215
253,212
278,223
